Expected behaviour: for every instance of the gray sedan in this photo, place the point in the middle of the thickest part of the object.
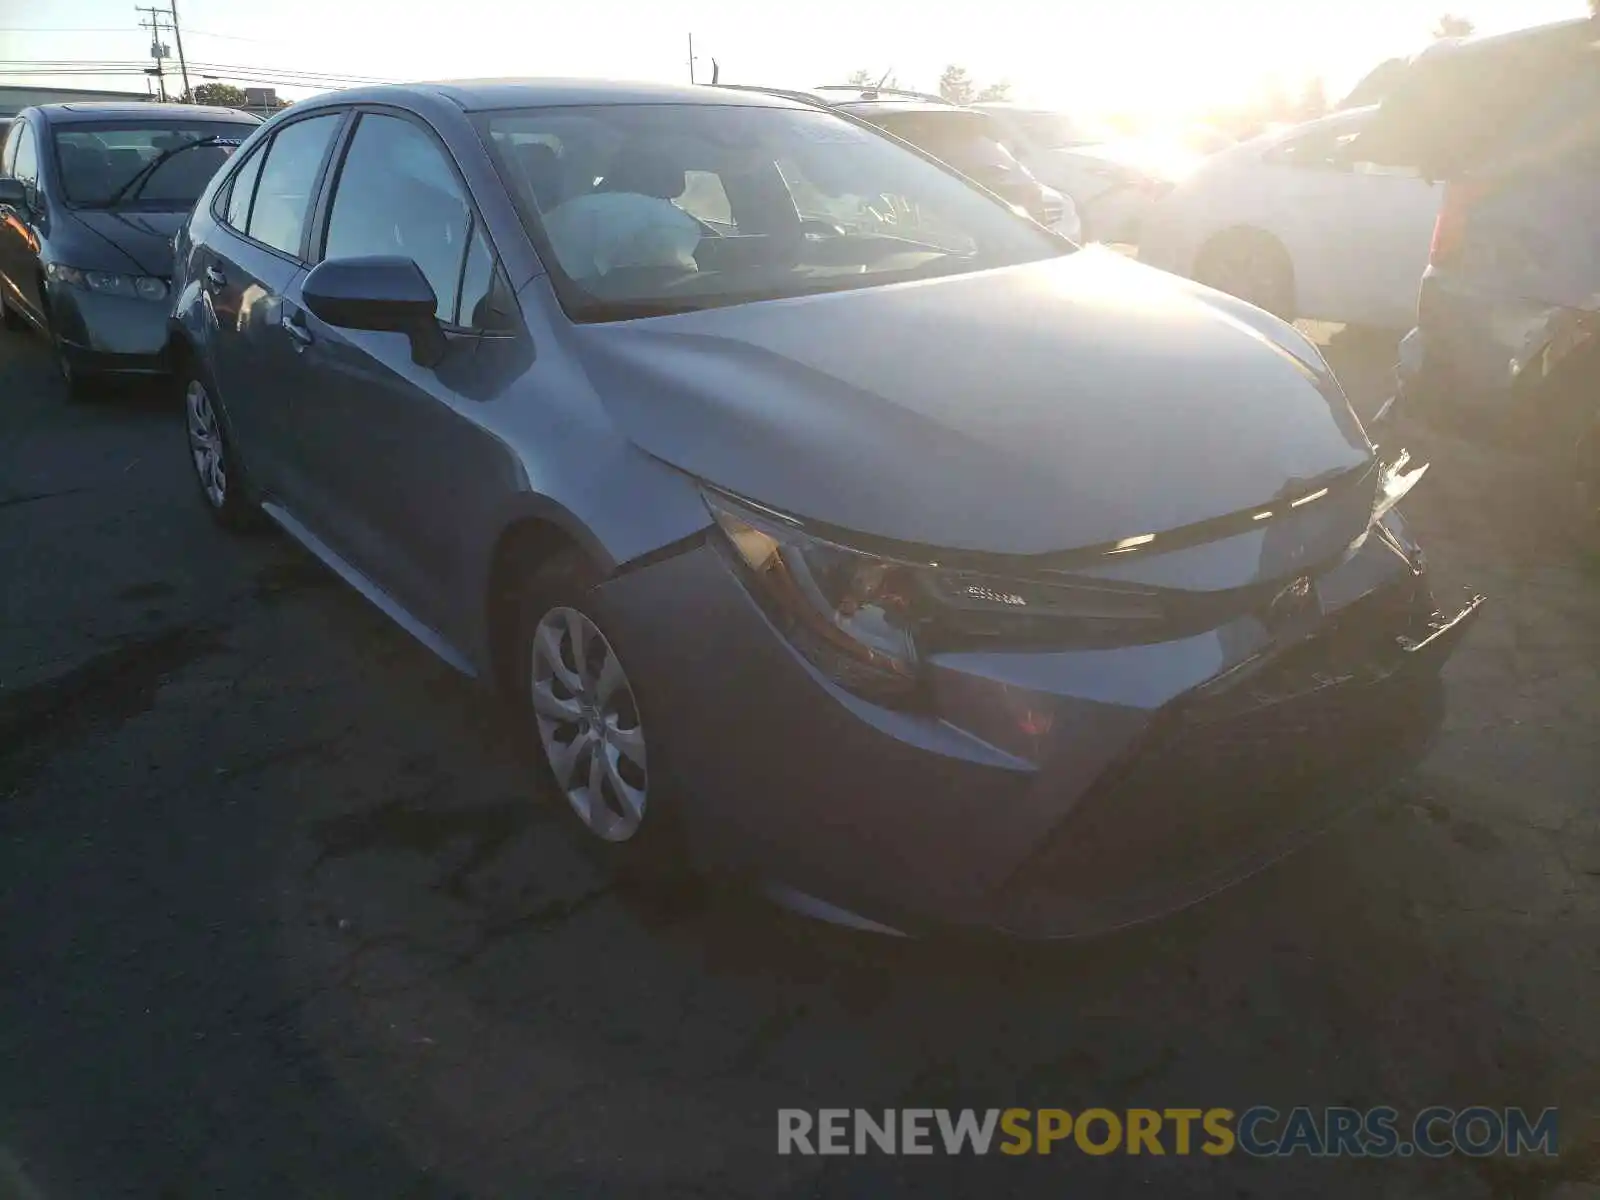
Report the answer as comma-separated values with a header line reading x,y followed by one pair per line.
x,y
827,522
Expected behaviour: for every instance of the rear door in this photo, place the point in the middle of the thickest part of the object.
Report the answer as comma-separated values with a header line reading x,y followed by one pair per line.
x,y
401,462
246,270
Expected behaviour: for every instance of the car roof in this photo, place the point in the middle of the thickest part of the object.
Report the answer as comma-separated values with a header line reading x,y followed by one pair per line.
x,y
1556,32
478,95
80,110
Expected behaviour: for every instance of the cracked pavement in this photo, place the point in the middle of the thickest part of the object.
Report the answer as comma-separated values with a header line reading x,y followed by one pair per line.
x,y
282,918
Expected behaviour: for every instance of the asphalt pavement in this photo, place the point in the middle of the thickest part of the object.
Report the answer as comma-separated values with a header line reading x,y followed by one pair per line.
x,y
282,916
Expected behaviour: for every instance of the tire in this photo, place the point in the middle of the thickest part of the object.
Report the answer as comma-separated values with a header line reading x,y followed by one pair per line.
x,y
78,383
590,728
1252,265
217,471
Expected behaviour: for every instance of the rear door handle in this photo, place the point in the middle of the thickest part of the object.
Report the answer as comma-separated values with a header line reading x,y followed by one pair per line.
x,y
295,326
216,278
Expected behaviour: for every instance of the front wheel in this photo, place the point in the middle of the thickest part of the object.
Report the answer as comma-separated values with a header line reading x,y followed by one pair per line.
x,y
584,708
1251,265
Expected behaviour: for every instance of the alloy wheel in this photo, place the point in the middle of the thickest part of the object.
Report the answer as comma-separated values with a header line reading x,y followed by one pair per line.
x,y
205,444
589,726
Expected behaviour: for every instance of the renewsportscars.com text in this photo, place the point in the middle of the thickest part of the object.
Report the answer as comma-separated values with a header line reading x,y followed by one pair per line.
x,y
1261,1131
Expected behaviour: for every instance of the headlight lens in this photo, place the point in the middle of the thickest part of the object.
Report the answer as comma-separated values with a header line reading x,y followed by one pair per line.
x,y
849,614
109,283
859,617
1395,482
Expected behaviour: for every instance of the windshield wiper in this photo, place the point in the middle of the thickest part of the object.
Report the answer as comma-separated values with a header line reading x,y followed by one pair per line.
x,y
143,174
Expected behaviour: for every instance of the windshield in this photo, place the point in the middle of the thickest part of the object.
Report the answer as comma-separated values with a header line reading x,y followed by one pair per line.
x,y
649,208
99,161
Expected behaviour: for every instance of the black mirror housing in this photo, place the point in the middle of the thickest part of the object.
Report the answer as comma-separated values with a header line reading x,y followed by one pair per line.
x,y
386,293
12,191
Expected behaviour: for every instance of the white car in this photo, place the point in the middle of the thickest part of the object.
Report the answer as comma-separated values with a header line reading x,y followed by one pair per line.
x,y
1294,222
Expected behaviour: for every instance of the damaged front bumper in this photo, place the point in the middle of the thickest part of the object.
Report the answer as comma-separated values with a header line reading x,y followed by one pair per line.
x,y
1242,772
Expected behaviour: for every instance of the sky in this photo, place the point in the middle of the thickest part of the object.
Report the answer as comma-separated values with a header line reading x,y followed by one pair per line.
x,y
1166,58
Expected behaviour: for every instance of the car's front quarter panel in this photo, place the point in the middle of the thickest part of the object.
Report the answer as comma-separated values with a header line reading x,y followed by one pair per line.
x,y
560,459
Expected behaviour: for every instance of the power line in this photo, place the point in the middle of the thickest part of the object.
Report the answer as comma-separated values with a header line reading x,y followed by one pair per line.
x,y
241,67
65,29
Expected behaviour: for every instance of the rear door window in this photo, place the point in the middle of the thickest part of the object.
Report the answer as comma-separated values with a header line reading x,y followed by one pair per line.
x,y
283,191
242,190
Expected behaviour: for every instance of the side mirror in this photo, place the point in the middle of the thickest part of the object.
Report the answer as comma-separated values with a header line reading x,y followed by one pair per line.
x,y
386,293
13,191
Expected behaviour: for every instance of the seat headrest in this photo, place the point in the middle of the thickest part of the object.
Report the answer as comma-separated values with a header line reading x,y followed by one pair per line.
x,y
646,173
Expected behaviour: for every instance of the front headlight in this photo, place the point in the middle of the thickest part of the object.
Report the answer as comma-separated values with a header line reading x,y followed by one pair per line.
x,y
109,283
862,618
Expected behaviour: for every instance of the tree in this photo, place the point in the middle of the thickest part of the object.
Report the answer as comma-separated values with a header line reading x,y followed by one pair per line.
x,y
996,91
956,86
1452,26
223,95
862,78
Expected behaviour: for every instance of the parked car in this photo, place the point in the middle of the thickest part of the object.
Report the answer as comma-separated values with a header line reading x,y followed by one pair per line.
x,y
1297,223
951,575
969,140
1112,180
959,135
1507,330
90,196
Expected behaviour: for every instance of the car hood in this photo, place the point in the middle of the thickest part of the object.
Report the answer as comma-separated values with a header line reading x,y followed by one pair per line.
x,y
134,240
1057,405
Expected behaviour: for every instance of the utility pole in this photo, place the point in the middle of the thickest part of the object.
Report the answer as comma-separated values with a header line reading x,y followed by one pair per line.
x,y
183,66
157,50
691,58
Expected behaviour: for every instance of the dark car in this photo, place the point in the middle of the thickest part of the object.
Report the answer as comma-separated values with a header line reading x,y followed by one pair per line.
x,y
90,196
931,571
966,138
1507,340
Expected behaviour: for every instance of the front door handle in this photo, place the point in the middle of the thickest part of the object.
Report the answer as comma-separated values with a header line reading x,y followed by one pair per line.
x,y
294,325
216,278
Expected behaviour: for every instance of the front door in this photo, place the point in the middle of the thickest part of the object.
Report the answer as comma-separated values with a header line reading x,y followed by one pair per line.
x,y
402,464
